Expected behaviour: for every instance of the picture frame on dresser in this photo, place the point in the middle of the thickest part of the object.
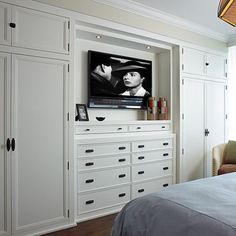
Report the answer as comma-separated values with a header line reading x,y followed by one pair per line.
x,y
81,113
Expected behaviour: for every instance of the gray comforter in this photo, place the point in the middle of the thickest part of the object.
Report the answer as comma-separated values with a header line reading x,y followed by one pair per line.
x,y
205,207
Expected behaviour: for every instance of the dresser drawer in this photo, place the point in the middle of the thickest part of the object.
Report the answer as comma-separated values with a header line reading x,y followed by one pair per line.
x,y
102,162
151,170
94,129
152,144
103,199
149,127
101,179
103,149
141,157
141,189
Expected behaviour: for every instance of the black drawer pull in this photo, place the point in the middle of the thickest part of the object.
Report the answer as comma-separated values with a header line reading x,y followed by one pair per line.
x,y
122,160
141,157
165,154
140,146
165,144
165,168
165,185
87,130
13,144
122,194
141,190
141,172
122,148
12,25
163,127
89,202
122,175
88,181
89,150
89,164
119,128
138,127
8,144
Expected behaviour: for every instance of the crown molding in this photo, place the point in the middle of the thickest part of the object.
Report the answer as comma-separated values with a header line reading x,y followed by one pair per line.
x,y
149,12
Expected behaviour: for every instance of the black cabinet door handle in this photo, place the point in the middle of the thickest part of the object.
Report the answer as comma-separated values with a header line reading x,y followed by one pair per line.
x,y
13,144
141,146
12,25
165,185
89,164
89,150
88,181
119,128
122,194
122,175
8,144
138,127
165,168
122,160
122,148
87,130
165,154
207,64
165,144
89,202
141,190
141,157
141,172
163,127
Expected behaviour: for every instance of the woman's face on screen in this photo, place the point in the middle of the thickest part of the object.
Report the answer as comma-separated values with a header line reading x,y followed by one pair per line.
x,y
132,79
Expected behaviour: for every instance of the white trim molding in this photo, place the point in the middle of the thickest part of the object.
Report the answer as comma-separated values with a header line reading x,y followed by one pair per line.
x,y
146,11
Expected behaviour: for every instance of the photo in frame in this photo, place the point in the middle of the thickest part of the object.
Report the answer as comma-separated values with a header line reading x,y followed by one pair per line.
x,y
82,113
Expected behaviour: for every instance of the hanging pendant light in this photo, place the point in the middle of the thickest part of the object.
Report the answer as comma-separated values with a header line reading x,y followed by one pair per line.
x,y
227,11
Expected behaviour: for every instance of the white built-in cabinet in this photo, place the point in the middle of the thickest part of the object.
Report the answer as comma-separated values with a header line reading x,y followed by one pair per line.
x,y
26,28
203,90
34,122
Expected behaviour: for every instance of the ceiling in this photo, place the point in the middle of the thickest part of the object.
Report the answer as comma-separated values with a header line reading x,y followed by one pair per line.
x,y
196,15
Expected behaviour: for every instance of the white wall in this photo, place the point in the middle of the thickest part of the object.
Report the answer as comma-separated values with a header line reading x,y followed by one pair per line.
x,y
92,8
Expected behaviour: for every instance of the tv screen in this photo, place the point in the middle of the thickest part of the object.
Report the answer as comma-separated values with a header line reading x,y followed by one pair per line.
x,y
116,81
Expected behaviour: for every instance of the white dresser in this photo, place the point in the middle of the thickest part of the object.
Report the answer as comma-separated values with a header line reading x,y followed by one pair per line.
x,y
117,162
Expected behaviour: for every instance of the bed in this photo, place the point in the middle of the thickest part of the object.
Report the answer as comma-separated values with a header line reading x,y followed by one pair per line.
x,y
204,207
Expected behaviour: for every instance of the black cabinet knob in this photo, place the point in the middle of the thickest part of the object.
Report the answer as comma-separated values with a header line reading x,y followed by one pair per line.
x,y
141,146
141,190
122,175
122,194
165,185
165,144
165,154
122,148
141,157
88,181
12,25
122,160
207,64
141,172
8,144
89,150
89,164
89,202
165,168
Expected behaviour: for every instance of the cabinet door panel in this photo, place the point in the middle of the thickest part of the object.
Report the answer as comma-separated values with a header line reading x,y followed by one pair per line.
x,y
40,130
38,30
193,61
215,120
5,208
216,66
192,162
5,19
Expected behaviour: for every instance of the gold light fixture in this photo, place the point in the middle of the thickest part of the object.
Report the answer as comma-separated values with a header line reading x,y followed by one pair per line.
x,y
227,11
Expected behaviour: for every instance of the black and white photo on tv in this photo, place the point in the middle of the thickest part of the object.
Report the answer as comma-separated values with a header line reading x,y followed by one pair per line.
x,y
113,75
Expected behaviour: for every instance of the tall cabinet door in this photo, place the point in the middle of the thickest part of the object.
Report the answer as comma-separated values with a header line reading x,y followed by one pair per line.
x,y
40,131
215,119
192,161
5,204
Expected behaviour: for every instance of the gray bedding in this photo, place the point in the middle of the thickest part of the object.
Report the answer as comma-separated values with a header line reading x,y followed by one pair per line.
x,y
205,207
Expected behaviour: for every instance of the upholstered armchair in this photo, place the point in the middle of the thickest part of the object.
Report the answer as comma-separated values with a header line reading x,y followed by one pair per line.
x,y
221,163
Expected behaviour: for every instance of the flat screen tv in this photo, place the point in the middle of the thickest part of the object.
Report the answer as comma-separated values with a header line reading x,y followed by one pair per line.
x,y
116,81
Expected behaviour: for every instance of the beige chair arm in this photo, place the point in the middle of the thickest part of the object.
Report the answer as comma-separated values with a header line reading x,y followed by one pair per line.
x,y
217,156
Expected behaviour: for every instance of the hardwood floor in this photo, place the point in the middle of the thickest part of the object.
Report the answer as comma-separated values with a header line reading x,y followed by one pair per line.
x,y
97,227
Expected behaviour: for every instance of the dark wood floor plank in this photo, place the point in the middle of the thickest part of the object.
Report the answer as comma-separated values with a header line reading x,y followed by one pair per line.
x,y
97,227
